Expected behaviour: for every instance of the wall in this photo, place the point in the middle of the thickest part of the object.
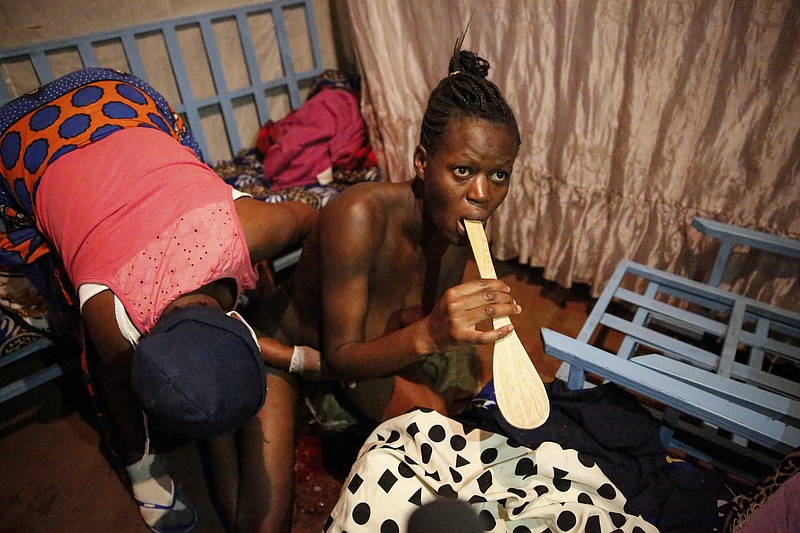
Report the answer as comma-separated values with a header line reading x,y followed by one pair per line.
x,y
44,20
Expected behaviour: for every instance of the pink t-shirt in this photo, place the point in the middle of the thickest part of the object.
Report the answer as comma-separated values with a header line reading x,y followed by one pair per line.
x,y
139,213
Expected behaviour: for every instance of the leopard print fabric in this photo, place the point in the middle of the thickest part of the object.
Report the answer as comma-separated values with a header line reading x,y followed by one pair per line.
x,y
743,505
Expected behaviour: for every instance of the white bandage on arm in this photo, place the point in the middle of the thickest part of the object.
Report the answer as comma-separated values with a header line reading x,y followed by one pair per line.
x,y
305,360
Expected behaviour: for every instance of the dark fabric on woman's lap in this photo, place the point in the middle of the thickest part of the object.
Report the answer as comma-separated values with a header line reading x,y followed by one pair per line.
x,y
610,427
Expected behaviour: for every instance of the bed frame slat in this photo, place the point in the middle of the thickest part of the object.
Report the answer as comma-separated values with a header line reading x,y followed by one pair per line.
x,y
190,107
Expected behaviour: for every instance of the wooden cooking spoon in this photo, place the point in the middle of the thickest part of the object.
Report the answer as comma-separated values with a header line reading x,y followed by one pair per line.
x,y
517,386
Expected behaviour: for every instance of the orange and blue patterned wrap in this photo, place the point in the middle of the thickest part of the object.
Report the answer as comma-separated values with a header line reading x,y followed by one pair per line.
x,y
73,111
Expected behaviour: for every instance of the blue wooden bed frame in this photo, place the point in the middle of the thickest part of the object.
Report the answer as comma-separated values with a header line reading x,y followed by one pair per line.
x,y
728,384
225,99
190,107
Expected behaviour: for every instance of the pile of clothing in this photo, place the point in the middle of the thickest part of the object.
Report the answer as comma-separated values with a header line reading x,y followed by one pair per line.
x,y
326,134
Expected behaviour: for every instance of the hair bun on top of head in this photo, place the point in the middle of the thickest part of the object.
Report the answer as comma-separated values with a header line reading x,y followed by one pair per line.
x,y
466,62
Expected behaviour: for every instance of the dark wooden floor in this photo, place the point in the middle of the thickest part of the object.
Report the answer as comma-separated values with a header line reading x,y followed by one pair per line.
x,y
53,476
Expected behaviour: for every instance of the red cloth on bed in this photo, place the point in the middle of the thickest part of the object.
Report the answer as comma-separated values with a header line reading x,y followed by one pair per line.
x,y
326,132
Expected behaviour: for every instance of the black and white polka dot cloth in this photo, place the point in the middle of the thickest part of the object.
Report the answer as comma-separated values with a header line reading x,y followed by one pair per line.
x,y
422,456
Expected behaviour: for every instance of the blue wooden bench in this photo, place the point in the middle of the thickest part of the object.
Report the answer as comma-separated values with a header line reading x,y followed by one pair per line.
x,y
715,366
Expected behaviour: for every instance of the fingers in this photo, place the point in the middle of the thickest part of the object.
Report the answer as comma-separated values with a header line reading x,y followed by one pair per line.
x,y
480,286
491,337
474,302
453,322
472,336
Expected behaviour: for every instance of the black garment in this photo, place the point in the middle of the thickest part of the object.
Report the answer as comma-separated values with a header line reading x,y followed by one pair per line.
x,y
607,425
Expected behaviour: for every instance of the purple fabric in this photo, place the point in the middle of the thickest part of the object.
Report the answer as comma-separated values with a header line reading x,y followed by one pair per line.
x,y
779,513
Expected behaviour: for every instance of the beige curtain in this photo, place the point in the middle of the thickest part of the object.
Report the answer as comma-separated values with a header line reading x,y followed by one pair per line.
x,y
635,116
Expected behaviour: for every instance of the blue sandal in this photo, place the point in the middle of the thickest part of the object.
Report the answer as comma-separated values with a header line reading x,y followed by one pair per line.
x,y
180,528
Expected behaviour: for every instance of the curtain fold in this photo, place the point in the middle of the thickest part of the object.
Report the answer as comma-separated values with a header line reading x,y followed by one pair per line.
x,y
635,116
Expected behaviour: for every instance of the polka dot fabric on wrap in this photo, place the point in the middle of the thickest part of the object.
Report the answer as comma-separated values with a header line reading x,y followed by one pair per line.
x,y
422,456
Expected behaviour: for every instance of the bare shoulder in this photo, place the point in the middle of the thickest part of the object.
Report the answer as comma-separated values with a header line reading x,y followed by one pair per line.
x,y
365,205
354,227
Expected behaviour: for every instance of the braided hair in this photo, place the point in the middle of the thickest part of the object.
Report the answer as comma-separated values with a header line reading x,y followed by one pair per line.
x,y
465,92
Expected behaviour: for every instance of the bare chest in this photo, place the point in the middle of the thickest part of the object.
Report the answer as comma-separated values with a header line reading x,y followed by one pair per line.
x,y
404,288
396,293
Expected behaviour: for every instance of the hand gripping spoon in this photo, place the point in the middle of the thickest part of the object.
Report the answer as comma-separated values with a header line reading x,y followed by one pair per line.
x,y
517,386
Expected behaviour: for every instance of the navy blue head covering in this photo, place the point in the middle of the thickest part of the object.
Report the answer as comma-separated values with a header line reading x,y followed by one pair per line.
x,y
199,373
